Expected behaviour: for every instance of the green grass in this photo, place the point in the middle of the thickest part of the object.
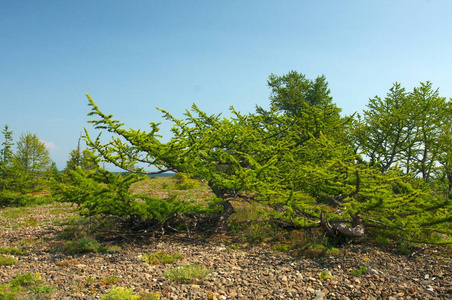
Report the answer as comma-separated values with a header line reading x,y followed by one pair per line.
x,y
83,245
164,187
87,245
109,280
6,260
29,284
187,273
282,247
161,257
120,293
361,271
325,275
12,250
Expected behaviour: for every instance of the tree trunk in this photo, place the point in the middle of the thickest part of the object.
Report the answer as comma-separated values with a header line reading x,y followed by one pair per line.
x,y
228,210
357,229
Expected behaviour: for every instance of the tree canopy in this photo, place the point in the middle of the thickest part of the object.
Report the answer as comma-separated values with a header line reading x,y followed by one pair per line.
x,y
305,162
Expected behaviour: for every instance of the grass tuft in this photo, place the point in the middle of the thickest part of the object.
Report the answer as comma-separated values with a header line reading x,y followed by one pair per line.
x,y
161,257
187,273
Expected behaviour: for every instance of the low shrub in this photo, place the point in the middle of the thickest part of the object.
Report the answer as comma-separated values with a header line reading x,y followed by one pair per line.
x,y
187,273
325,275
29,284
12,250
83,245
161,257
361,271
120,293
6,260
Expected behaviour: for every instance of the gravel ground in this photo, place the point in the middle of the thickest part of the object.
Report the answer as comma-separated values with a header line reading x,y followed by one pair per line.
x,y
237,272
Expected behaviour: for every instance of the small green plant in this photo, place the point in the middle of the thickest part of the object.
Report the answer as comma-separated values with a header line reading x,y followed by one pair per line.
x,y
258,232
26,280
83,245
381,240
404,248
161,257
325,275
109,248
72,232
6,260
183,182
232,247
235,228
187,273
281,247
361,271
11,250
8,293
29,284
149,296
315,250
109,280
120,293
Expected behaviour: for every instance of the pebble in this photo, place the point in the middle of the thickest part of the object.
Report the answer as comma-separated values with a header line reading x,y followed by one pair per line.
x,y
250,272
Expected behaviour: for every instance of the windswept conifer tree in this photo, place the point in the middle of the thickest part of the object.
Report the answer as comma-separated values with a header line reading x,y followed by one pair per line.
x,y
295,158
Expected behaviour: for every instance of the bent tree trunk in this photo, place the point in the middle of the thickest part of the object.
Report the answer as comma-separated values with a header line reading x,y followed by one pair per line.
x,y
228,210
356,230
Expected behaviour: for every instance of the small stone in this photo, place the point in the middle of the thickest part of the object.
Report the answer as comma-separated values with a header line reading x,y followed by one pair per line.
x,y
429,290
319,295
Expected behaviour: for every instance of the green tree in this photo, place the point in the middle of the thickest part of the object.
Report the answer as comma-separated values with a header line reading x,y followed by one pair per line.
x,y
387,128
12,187
402,129
32,156
307,101
6,152
429,119
292,162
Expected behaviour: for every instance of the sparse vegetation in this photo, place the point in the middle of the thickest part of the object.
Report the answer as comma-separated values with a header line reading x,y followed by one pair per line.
x,y
161,257
120,293
6,260
12,250
325,275
282,247
361,271
187,273
29,284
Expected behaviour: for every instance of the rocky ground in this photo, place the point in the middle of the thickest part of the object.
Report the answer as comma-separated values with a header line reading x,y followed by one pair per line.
x,y
238,271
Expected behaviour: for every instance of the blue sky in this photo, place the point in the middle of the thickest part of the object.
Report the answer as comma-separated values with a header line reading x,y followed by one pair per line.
x,y
133,56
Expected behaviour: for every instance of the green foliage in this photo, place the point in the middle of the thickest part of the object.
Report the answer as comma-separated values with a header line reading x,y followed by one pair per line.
x,y
96,192
24,172
361,271
183,182
109,280
12,250
316,250
283,247
300,159
258,232
83,245
120,293
6,260
325,275
29,284
161,257
187,273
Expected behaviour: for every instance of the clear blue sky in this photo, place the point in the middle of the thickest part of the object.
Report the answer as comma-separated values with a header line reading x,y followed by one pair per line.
x,y
132,56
